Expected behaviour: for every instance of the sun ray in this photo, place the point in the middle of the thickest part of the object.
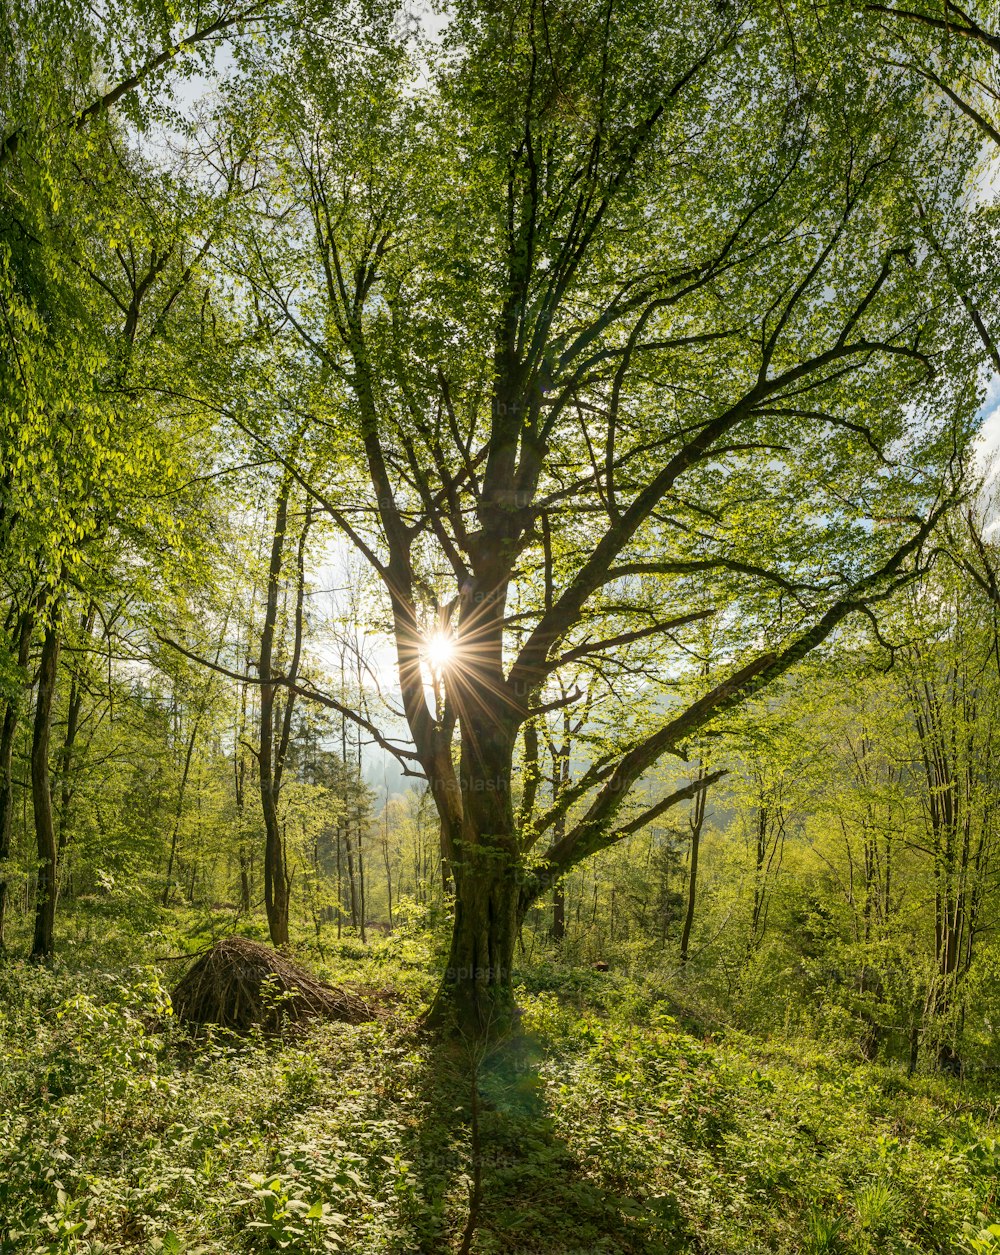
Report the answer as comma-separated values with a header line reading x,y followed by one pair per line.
x,y
439,650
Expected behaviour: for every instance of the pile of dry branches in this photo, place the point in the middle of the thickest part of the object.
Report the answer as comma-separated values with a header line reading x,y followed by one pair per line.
x,y
239,983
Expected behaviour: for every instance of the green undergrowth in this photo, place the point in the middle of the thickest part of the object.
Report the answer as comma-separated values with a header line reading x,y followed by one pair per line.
x,y
602,1127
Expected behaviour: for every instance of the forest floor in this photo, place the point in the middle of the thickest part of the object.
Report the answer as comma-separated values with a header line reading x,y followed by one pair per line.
x,y
603,1126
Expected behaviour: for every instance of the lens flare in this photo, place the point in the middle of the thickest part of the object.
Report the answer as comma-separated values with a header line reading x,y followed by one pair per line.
x,y
439,650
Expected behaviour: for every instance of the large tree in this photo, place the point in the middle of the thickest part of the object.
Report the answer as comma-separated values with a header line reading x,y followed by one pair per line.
x,y
604,321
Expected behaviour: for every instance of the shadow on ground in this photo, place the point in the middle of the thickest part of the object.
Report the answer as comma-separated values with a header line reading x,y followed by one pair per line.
x,y
536,1197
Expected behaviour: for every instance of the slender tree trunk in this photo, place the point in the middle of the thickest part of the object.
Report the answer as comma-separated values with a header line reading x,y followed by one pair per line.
x,y
239,792
763,820
887,884
344,835
66,790
185,775
340,889
245,852
41,796
385,858
352,884
275,885
697,821
560,781
362,904
8,734
558,931
362,913
244,884
914,1051
73,708
178,813
447,884
417,861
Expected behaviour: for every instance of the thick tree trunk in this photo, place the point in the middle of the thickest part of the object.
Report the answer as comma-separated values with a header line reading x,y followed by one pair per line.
x,y
41,796
476,993
8,734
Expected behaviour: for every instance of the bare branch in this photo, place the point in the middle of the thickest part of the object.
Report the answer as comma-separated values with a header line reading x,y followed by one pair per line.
x,y
301,689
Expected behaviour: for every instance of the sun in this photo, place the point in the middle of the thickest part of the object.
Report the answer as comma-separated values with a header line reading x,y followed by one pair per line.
x,y
439,649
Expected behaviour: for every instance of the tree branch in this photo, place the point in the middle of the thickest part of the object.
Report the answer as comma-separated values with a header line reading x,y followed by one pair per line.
x,y
403,756
110,98
592,829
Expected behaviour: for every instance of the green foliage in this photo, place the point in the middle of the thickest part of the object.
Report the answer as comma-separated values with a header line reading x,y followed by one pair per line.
x,y
670,276
603,1126
288,1221
982,1241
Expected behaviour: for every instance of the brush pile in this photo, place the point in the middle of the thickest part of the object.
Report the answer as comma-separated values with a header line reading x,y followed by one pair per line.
x,y
239,983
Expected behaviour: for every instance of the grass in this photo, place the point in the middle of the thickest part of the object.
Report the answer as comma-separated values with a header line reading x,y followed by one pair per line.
x,y
603,1127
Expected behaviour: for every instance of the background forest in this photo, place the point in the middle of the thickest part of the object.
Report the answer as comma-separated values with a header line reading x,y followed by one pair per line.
x,y
496,503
